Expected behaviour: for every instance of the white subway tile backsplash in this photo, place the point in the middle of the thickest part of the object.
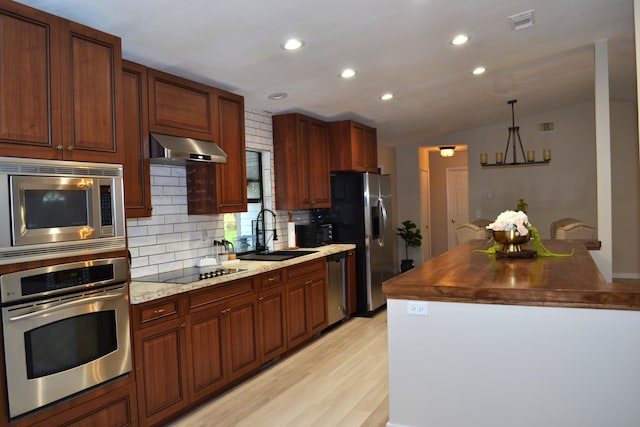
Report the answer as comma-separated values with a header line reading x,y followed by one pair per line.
x,y
171,239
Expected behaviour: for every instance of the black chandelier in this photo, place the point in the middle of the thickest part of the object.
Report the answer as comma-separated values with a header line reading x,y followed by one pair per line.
x,y
527,159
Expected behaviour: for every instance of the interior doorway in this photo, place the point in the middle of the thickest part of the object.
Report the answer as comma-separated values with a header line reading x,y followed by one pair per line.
x,y
457,202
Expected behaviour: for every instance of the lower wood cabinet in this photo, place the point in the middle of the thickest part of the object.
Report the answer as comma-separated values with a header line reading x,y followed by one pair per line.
x,y
191,346
352,285
306,301
271,316
160,360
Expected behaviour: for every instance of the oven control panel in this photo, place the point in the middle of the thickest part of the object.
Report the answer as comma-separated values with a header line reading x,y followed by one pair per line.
x,y
62,278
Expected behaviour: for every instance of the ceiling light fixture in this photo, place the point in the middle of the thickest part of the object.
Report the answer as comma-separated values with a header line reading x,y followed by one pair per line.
x,y
460,39
478,70
527,159
278,96
447,150
347,73
293,44
386,96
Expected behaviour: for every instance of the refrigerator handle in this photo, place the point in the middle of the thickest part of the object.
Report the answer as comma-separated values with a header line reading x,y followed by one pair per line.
x,y
383,214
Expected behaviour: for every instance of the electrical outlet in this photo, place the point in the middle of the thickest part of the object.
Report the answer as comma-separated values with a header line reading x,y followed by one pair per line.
x,y
417,308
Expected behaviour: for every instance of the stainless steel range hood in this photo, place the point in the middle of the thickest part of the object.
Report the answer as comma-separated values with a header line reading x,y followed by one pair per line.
x,y
176,150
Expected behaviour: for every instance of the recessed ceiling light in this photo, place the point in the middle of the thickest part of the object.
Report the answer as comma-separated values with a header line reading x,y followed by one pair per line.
x,y
479,70
460,39
347,73
278,96
386,96
293,44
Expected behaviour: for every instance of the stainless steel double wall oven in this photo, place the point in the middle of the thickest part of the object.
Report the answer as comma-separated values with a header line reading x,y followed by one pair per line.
x,y
65,323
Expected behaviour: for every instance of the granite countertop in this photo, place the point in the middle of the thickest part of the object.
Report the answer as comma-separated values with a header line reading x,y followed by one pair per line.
x,y
140,292
462,275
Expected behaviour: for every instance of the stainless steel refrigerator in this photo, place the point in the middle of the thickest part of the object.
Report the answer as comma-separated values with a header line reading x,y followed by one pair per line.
x,y
361,214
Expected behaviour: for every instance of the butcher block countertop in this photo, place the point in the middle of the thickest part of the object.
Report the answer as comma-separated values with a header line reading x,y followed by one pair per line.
x,y
467,276
140,291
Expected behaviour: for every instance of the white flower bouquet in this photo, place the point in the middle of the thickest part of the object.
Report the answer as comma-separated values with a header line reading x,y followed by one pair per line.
x,y
511,221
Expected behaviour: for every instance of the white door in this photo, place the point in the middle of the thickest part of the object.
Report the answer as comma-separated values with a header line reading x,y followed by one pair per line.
x,y
425,214
457,201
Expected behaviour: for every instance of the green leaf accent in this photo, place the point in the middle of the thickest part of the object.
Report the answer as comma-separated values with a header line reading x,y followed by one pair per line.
x,y
541,250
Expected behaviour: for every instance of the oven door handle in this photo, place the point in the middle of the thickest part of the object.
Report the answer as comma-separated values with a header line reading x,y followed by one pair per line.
x,y
65,305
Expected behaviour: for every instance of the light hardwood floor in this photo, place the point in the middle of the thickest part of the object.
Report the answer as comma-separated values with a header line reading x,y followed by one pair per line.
x,y
340,379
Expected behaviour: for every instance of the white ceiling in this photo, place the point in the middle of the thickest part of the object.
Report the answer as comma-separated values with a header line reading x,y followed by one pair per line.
x,y
401,46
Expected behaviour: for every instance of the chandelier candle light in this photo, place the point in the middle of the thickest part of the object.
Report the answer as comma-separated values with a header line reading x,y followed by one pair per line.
x,y
527,159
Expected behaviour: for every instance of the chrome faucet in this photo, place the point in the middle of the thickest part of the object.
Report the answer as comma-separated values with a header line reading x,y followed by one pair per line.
x,y
261,246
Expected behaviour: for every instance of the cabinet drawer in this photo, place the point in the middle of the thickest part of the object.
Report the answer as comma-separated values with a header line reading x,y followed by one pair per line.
x,y
270,279
306,268
148,313
217,293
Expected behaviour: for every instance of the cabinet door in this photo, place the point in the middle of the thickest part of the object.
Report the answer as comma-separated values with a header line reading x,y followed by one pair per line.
x,y
357,147
242,340
181,107
272,326
29,82
160,376
91,102
206,345
231,177
135,142
318,166
297,325
317,303
370,148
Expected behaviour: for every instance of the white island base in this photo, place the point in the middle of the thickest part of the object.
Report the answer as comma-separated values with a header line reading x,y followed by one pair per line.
x,y
492,365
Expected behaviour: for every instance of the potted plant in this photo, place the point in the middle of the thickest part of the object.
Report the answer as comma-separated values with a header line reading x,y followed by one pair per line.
x,y
412,237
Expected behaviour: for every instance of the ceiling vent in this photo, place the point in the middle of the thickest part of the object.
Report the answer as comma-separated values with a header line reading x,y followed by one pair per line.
x,y
547,127
522,20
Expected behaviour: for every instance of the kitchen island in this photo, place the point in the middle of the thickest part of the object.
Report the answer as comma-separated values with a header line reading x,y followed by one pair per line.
x,y
486,341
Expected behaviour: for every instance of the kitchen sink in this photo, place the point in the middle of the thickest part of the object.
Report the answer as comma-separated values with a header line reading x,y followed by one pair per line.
x,y
275,255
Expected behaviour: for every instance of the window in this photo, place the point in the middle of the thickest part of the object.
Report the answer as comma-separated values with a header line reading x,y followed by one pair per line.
x,y
237,226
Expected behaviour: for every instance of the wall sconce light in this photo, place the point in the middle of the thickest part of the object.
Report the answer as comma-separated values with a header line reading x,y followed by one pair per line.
x,y
527,159
447,151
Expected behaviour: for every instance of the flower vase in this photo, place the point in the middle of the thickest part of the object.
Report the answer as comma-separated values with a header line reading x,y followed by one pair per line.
x,y
510,240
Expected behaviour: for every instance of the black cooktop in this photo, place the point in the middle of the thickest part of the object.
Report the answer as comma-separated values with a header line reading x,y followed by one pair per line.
x,y
188,275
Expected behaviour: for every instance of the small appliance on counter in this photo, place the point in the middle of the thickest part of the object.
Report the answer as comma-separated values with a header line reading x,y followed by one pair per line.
x,y
314,235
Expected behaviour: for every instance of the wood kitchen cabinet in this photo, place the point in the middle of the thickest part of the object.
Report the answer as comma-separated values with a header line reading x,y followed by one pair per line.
x,y
223,342
135,140
61,84
306,301
272,315
160,352
181,107
353,147
222,187
301,151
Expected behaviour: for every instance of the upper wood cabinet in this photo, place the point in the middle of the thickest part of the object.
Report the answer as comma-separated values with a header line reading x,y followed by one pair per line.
x,y
301,153
135,140
60,86
353,147
181,107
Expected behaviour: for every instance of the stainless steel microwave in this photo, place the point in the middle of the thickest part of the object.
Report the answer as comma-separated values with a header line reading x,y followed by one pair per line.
x,y
50,209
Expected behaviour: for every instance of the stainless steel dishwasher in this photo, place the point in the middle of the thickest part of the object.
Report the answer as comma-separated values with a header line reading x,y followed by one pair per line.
x,y
337,283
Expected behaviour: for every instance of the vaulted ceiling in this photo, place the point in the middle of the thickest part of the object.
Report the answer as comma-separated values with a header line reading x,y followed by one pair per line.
x,y
399,46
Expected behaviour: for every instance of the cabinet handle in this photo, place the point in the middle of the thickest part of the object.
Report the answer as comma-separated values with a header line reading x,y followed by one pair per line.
x,y
261,299
70,148
182,325
308,282
59,147
158,311
271,279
